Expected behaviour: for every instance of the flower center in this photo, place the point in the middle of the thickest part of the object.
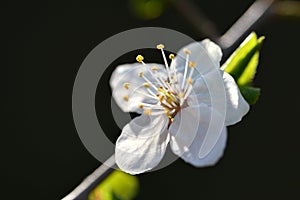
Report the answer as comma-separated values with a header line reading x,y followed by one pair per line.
x,y
171,92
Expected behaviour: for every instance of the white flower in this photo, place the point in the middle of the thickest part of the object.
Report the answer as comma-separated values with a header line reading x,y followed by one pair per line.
x,y
175,106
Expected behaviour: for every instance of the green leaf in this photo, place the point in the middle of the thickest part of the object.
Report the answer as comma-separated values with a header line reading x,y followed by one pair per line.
x,y
117,186
249,72
242,65
251,94
238,61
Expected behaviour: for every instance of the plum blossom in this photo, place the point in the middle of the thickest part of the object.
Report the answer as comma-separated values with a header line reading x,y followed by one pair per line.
x,y
175,106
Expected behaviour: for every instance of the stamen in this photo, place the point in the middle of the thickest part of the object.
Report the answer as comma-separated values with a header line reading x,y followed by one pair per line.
x,y
185,71
190,81
172,112
126,86
147,95
149,82
146,85
152,93
156,75
159,113
151,106
160,46
139,58
192,64
154,68
166,104
161,98
171,56
186,51
180,95
187,94
147,112
126,98
140,74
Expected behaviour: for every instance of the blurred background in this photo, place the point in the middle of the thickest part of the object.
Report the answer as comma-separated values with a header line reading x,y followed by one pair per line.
x,y
45,43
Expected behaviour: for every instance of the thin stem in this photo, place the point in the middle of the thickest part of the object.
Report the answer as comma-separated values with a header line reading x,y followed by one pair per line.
x,y
252,16
82,191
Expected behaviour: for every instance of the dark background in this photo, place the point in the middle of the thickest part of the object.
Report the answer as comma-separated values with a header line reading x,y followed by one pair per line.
x,y
45,43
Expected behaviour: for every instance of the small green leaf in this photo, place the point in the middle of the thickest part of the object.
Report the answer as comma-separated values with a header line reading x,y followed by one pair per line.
x,y
249,72
238,61
242,65
117,186
251,94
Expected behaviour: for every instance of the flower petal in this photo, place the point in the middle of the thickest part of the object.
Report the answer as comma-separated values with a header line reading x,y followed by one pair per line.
x,y
190,130
205,54
214,51
236,105
142,144
127,86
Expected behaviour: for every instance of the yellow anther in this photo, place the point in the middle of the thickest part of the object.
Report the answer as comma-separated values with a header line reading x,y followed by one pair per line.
x,y
125,98
190,81
192,64
146,85
140,74
161,98
160,46
181,95
154,68
126,86
139,58
171,56
141,106
187,51
160,89
147,112
172,77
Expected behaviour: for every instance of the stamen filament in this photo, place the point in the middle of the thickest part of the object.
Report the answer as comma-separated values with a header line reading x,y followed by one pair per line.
x,y
154,106
147,95
147,80
157,77
161,47
185,70
190,87
158,113
189,78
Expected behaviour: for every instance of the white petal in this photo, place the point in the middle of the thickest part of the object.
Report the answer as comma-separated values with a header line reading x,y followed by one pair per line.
x,y
200,93
191,130
142,144
129,99
213,50
205,54
237,106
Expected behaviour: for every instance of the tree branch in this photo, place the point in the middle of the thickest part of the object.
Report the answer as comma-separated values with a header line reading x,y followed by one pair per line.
x,y
82,191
